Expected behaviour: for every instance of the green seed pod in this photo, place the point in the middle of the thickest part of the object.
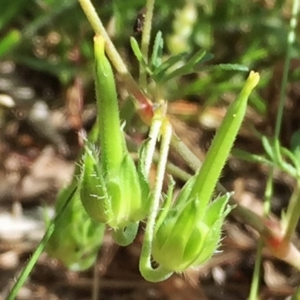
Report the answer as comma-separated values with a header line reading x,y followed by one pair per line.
x,y
189,233
111,137
76,238
115,200
112,190
182,240
222,143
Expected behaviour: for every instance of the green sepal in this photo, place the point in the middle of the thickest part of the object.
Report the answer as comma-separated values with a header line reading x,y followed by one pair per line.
x,y
125,236
172,236
119,199
184,194
195,245
181,238
93,192
126,195
214,219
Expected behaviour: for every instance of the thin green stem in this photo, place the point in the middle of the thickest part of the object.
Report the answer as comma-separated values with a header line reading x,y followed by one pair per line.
x,y
258,258
187,155
256,274
293,209
99,29
290,42
171,168
177,172
146,35
150,146
36,254
158,274
292,214
268,193
114,56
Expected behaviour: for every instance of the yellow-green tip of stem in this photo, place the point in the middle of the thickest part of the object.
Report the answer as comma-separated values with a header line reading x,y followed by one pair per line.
x,y
99,44
253,80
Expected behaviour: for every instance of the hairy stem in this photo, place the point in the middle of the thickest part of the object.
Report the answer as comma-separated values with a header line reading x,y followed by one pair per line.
x,y
143,104
146,35
158,274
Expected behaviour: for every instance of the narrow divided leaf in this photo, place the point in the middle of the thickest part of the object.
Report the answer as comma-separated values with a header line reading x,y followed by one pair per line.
x,y
156,56
189,67
234,67
160,72
137,51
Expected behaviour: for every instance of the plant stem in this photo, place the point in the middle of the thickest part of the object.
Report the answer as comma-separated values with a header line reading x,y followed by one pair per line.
x,y
268,193
158,274
146,34
187,155
143,103
176,171
36,254
290,40
258,258
151,143
292,214
293,210
256,274
171,167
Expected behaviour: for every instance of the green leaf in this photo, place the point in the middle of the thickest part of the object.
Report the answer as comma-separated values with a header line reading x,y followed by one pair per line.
x,y
138,54
275,154
160,72
234,67
254,158
268,148
198,59
156,56
137,51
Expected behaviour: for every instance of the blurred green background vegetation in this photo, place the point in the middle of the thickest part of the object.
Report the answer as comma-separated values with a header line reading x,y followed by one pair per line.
x,y
53,37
